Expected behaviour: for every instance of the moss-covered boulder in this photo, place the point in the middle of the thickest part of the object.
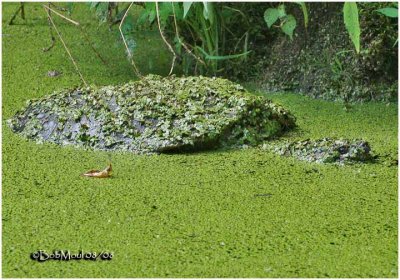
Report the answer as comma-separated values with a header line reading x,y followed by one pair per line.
x,y
154,114
326,150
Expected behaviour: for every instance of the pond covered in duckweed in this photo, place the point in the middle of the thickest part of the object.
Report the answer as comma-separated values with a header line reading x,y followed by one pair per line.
x,y
233,213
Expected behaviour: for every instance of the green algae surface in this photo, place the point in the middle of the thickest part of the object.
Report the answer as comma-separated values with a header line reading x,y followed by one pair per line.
x,y
237,213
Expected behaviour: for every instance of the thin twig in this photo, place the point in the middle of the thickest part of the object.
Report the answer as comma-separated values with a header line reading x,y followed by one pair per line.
x,y
61,15
126,45
182,43
65,46
58,7
165,40
80,28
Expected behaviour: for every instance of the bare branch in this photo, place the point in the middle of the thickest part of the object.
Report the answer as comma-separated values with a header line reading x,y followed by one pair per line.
x,y
126,45
65,46
165,40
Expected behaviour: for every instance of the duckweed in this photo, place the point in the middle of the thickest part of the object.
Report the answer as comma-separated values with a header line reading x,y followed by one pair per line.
x,y
236,213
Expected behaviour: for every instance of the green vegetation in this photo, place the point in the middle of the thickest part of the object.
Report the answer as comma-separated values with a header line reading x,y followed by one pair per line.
x,y
238,213
321,60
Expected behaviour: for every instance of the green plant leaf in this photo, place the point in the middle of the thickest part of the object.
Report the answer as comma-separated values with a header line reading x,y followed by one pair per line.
x,y
305,12
350,15
178,11
289,25
165,10
221,57
208,11
281,11
271,15
389,12
186,8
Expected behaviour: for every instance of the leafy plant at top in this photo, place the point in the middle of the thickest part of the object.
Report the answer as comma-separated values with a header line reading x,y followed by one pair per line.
x,y
350,16
287,22
392,12
271,15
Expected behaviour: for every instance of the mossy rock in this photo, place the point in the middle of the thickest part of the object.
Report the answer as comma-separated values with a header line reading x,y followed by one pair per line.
x,y
154,114
326,150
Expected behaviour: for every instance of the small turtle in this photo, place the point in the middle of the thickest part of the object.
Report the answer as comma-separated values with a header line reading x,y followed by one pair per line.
x,y
53,73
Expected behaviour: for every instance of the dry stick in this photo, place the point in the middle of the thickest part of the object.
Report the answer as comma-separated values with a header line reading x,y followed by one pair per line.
x,y
165,40
126,45
61,15
81,29
57,7
65,46
182,43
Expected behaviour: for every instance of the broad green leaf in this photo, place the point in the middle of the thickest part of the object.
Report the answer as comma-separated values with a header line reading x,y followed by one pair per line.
x,y
271,15
350,15
389,12
289,25
186,8
281,11
305,12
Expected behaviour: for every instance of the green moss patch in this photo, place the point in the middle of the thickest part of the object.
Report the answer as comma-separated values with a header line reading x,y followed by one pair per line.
x,y
153,115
